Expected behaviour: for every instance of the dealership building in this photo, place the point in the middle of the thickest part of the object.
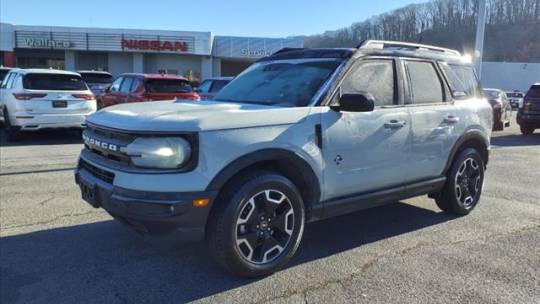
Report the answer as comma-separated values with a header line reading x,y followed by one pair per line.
x,y
195,55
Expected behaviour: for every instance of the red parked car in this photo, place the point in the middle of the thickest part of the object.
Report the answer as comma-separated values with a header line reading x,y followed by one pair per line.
x,y
147,87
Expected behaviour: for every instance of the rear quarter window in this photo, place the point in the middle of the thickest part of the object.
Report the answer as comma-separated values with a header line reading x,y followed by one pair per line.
x,y
461,79
54,82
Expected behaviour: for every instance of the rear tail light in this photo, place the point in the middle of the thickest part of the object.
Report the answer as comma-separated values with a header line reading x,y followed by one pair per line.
x,y
84,96
28,96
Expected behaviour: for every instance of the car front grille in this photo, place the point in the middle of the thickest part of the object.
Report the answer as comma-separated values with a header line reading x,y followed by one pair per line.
x,y
103,175
117,139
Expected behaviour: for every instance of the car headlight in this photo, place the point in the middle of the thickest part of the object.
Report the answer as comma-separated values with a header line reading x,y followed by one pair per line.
x,y
159,152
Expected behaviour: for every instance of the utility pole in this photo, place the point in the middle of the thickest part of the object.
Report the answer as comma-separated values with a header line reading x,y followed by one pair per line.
x,y
480,30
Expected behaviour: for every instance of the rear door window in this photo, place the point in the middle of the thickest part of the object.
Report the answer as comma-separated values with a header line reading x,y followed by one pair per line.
x,y
126,85
534,92
461,79
372,76
135,84
115,87
167,86
424,83
54,82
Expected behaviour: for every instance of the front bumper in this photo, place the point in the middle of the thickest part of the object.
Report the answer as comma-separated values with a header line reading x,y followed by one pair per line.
x,y
155,213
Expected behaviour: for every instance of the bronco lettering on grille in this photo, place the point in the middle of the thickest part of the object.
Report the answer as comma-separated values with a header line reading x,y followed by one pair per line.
x,y
98,143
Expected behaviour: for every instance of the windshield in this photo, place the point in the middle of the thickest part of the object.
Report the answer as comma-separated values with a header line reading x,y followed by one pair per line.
x,y
57,82
492,94
290,83
97,78
167,86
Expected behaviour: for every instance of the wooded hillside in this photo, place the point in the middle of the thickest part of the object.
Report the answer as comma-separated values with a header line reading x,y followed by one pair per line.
x,y
512,30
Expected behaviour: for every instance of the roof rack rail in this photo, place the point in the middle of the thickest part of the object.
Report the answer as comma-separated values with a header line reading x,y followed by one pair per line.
x,y
287,49
382,44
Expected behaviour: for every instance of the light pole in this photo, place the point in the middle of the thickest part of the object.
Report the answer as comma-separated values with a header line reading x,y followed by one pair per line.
x,y
480,30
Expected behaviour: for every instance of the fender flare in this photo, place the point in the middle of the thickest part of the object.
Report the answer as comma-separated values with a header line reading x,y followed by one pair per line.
x,y
272,154
472,134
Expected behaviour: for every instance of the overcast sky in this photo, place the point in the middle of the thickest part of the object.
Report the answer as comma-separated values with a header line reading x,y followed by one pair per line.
x,y
276,18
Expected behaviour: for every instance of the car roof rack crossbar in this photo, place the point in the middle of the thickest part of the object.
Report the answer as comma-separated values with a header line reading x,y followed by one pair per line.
x,y
382,44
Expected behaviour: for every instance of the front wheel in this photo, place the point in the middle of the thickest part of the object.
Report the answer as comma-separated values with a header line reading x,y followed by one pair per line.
x,y
257,225
464,183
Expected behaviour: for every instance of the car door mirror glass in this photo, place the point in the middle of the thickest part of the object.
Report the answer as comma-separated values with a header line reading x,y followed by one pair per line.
x,y
355,102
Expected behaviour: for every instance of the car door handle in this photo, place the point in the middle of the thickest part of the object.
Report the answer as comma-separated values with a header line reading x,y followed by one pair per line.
x,y
395,124
451,119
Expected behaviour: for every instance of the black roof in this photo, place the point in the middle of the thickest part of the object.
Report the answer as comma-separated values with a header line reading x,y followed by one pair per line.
x,y
373,48
300,53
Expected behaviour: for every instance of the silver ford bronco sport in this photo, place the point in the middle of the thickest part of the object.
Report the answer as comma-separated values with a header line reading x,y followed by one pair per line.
x,y
301,135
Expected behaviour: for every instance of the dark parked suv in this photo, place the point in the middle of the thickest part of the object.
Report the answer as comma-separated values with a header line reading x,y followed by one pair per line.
x,y
528,116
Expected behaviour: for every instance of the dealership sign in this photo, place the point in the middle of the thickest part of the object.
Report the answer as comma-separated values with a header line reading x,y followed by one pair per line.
x,y
155,45
251,47
255,53
47,43
122,41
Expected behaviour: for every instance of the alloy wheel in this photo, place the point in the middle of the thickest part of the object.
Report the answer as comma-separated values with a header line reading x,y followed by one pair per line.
x,y
265,226
468,182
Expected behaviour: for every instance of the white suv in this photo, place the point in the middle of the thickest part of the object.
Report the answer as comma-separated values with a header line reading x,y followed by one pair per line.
x,y
33,99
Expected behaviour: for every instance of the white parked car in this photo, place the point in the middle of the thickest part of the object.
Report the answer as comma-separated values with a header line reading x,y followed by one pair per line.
x,y
33,99
516,99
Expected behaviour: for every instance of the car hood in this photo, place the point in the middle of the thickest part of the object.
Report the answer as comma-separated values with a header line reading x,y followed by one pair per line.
x,y
189,116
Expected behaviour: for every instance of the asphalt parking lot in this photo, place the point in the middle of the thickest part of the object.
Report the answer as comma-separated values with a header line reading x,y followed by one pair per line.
x,y
54,248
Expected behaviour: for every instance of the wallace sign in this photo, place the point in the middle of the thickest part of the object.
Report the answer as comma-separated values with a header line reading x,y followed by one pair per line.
x,y
155,45
47,43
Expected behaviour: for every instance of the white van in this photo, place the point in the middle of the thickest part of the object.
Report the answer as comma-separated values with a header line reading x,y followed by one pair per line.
x,y
33,99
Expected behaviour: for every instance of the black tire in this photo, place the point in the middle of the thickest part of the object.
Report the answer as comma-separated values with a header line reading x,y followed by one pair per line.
x,y
230,240
498,125
526,130
12,132
463,187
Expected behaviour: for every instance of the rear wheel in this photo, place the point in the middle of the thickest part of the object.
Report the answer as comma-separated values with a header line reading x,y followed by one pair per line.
x,y
12,132
257,226
526,130
464,183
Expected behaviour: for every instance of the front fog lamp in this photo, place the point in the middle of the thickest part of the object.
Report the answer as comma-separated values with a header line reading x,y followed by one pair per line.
x,y
160,152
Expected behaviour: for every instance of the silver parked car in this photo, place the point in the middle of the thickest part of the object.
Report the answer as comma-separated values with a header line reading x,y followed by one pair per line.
x,y
211,86
97,81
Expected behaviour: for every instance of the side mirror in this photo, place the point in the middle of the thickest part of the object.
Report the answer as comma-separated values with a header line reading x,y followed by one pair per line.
x,y
355,102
